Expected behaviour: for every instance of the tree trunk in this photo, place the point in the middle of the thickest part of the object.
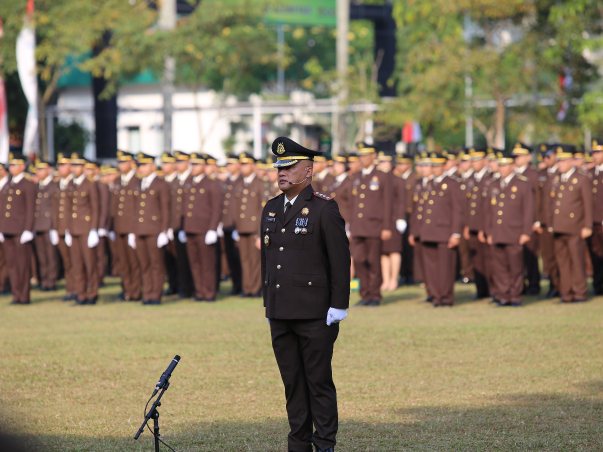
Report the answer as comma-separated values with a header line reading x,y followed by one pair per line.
x,y
499,123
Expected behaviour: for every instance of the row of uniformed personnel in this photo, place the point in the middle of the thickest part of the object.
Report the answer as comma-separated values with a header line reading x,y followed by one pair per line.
x,y
151,223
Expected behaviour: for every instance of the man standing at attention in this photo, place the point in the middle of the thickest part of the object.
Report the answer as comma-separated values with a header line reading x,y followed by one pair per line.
x,y
306,288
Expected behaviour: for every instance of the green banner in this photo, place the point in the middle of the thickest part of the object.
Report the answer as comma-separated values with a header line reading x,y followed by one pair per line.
x,y
303,12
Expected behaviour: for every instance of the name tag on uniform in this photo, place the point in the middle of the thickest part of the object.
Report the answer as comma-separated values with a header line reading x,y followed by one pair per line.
x,y
270,219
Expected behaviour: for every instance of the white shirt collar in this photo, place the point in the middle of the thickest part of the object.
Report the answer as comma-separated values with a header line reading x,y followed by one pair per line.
x,y
45,182
79,180
290,200
323,174
406,174
198,178
3,182
18,178
451,171
567,175
439,179
521,169
599,169
125,180
341,177
183,176
147,181
481,173
367,171
467,174
249,179
171,177
64,181
507,179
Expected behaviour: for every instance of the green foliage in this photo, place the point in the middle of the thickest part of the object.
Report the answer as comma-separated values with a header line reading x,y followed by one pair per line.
x,y
511,49
71,137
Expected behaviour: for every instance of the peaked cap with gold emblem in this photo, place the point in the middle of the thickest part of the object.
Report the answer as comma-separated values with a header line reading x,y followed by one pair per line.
x,y
288,152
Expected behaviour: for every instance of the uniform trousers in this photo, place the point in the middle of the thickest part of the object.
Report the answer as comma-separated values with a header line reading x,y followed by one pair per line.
x,y
101,259
83,268
439,263
508,270
234,260
48,264
185,278
202,258
407,256
171,265
549,263
251,264
595,246
152,268
65,254
466,266
303,351
417,264
3,269
530,257
478,253
366,252
18,264
129,268
569,252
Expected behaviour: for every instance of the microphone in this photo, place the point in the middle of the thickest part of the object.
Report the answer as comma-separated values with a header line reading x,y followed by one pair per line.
x,y
300,182
165,376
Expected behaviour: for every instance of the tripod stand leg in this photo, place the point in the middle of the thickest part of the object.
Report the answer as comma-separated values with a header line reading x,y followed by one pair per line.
x,y
156,430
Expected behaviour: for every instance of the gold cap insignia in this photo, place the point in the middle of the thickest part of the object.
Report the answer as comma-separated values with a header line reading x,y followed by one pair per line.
x,y
280,149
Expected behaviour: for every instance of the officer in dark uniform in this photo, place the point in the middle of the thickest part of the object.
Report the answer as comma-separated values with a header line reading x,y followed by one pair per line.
x,y
305,271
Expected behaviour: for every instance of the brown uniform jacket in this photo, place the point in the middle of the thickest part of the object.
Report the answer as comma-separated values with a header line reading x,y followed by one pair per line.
x,y
371,204
46,204
399,198
533,177
476,193
510,212
152,210
341,192
104,203
419,201
62,212
570,205
178,190
123,205
248,206
84,207
17,203
231,188
597,177
442,215
202,206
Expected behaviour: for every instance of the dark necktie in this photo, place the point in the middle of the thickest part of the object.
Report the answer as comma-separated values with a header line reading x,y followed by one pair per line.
x,y
287,205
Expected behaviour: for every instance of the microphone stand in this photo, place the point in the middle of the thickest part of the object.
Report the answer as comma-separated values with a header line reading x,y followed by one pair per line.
x,y
153,414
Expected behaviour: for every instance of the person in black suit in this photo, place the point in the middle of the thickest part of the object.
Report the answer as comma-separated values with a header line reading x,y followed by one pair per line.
x,y
306,288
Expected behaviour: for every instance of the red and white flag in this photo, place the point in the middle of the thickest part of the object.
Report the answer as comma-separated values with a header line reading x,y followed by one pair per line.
x,y
26,66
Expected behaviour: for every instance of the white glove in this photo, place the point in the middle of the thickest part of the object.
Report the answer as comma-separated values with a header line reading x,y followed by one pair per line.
x,y
111,236
132,241
103,233
162,240
220,230
335,315
211,237
26,236
53,235
182,236
401,226
235,235
92,238
170,234
68,239
1,237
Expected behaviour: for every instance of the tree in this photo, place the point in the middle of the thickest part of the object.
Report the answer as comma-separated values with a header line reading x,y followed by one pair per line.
x,y
507,51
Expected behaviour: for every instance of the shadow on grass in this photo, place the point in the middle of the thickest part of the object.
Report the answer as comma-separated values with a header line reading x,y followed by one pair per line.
x,y
515,422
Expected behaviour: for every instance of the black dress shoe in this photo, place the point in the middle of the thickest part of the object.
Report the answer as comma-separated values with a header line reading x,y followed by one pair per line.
x,y
373,303
70,297
329,449
429,299
199,299
151,302
79,302
362,303
515,304
532,291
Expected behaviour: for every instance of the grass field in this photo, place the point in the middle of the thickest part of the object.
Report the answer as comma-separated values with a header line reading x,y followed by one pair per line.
x,y
409,377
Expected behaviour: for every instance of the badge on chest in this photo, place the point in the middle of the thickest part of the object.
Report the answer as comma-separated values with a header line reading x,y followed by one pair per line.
x,y
301,225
